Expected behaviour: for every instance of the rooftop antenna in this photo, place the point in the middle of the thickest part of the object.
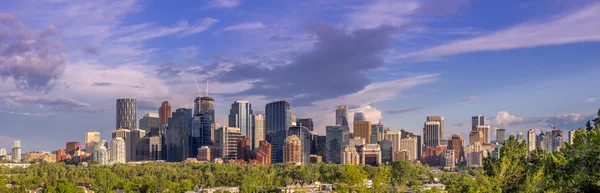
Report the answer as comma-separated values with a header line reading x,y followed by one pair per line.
x,y
206,87
197,87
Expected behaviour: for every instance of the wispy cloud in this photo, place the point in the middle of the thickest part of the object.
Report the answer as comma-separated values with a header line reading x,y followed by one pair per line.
x,y
223,3
382,12
563,121
470,98
28,114
202,26
245,26
579,26
591,99
60,104
400,111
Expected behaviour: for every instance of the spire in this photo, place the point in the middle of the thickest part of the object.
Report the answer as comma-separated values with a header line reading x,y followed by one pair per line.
x,y
206,87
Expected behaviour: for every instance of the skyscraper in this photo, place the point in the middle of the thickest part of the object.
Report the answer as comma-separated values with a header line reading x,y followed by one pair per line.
x,y
241,116
478,120
377,133
321,146
341,115
176,138
126,114
125,135
359,116
100,153
337,139
531,141
91,139
457,143
406,134
520,137
117,150
164,113
363,130
2,152
305,137
16,151
135,138
394,136
485,129
259,130
386,151
475,136
350,155
431,133
205,105
278,120
244,148
571,137
292,150
150,123
409,144
263,155
439,119
500,135
228,140
307,122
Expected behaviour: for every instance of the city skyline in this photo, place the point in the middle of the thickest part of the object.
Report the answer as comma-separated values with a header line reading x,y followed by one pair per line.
x,y
101,52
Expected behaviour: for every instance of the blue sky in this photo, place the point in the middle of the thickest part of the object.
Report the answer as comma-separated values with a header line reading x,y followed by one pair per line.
x,y
64,63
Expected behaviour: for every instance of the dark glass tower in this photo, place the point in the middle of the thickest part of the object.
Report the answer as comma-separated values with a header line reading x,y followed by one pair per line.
x,y
278,120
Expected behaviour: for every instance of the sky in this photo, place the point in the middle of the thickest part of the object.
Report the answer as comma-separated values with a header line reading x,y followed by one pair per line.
x,y
63,63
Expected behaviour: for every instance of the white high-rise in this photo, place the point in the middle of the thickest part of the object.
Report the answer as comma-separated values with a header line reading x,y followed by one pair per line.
x,y
394,136
259,130
500,135
431,133
117,150
16,151
91,139
2,152
571,137
410,145
531,140
241,116
485,129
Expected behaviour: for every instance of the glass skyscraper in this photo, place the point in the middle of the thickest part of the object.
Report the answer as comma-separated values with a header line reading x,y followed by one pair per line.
x,y
305,139
177,141
278,120
241,116
359,116
337,138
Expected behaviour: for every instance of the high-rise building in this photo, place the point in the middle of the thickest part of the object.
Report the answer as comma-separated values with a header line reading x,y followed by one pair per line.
x,y
386,151
475,137
457,143
409,144
556,139
150,123
337,138
305,137
406,134
91,139
341,115
541,142
117,150
164,113
244,148
2,152
126,114
241,116
500,135
394,136
259,130
357,141
571,137
439,119
205,105
520,137
150,148
431,133
434,156
485,130
321,146
308,123
71,147
350,155
204,154
450,159
263,155
228,140
100,153
478,120
177,136
16,151
531,141
278,119
292,150
359,116
124,134
377,133
370,154
474,154
363,130
135,138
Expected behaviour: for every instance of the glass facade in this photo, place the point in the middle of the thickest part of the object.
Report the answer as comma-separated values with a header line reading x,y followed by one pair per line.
x,y
278,120
305,139
240,116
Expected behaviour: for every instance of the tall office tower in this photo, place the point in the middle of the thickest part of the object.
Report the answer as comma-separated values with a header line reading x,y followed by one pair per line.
x,y
244,148
259,130
386,151
337,138
363,130
485,129
457,143
377,133
474,154
394,136
341,115
292,150
100,153
164,113
439,119
91,139
557,139
321,146
229,142
2,152
431,133
150,148
71,147
531,141
278,119
240,116
308,123
150,123
305,137
433,156
475,137
450,159
124,134
541,142
16,151
500,135
118,150
571,137
177,135
520,137
263,155
205,105
350,155
406,134
359,116
126,114
410,145
478,120
135,138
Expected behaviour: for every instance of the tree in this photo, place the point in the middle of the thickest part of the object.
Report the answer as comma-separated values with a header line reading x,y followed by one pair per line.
x,y
353,179
597,119
382,179
588,125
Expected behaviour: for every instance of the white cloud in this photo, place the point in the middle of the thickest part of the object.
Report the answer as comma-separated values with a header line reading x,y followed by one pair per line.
x,y
223,3
591,99
245,26
579,26
205,24
382,12
503,118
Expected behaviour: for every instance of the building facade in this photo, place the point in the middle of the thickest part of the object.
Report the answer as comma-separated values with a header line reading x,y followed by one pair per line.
x,y
259,130
117,150
292,150
164,113
431,133
350,156
531,141
485,130
571,137
439,119
278,118
177,135
363,130
337,138
241,116
341,115
244,148
370,154
409,144
359,116
307,122
263,155
500,135
478,120
150,123
126,114
124,134
377,133
457,143
91,139
229,139
16,151
305,137
386,151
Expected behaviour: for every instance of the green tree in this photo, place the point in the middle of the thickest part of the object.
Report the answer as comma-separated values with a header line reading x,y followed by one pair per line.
x,y
382,179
